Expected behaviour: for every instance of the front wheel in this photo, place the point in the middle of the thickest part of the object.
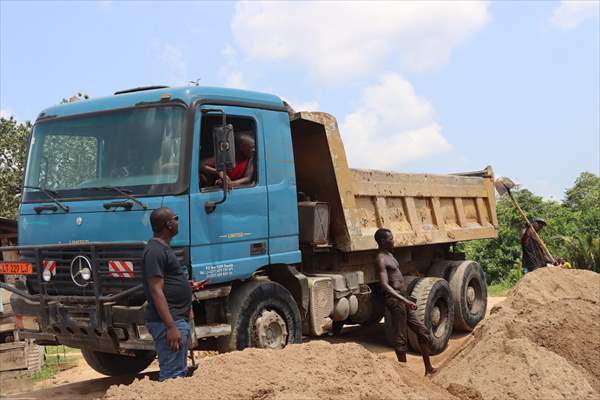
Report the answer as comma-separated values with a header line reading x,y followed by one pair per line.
x,y
263,314
117,364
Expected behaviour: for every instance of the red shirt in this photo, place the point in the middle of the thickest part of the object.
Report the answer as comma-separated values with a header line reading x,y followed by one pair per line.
x,y
238,171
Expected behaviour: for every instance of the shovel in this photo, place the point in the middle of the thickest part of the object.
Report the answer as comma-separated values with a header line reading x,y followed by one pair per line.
x,y
503,186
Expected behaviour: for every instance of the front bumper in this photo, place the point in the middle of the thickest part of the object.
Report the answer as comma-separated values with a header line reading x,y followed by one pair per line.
x,y
95,322
99,325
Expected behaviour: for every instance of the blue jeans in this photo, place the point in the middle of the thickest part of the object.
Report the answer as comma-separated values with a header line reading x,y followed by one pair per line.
x,y
173,364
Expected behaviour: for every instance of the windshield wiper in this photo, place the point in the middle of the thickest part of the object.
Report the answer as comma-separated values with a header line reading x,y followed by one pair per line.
x,y
51,194
126,193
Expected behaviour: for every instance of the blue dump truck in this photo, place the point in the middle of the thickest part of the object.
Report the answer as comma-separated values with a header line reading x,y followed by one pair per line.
x,y
288,254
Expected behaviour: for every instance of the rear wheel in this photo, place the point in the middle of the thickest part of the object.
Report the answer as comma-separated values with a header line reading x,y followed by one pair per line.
x,y
117,364
435,310
263,314
469,291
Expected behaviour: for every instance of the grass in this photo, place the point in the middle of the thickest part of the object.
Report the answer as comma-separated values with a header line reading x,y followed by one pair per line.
x,y
47,372
60,349
57,358
500,289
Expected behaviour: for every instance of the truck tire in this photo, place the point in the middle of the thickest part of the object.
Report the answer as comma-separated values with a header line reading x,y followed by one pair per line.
x,y
435,310
469,290
263,314
117,364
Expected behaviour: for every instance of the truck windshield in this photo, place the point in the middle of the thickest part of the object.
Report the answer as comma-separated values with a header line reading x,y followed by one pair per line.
x,y
136,149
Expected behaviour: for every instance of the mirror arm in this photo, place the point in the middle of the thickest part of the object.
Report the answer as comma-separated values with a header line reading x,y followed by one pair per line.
x,y
211,206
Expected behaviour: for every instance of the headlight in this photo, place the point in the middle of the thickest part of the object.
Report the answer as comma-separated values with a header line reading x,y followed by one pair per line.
x,y
46,275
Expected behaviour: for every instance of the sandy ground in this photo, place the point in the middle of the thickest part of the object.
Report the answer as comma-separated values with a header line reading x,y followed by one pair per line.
x,y
542,342
82,382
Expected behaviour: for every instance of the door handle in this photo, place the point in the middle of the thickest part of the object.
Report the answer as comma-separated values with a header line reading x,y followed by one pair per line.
x,y
258,248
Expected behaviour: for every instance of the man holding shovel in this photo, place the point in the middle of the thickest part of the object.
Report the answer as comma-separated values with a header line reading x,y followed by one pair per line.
x,y
534,256
535,252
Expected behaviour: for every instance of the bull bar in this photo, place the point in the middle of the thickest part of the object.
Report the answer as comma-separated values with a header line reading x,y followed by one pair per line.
x,y
53,310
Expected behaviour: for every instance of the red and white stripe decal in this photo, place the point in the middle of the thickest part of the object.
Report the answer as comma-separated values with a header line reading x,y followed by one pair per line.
x,y
120,269
49,265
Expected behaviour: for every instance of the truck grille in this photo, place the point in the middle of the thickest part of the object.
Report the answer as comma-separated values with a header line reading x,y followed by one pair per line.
x,y
62,285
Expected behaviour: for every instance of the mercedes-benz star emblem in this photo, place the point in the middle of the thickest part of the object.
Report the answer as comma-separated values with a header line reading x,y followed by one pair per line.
x,y
81,271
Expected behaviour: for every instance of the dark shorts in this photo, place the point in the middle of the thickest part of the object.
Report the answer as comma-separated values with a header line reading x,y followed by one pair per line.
x,y
402,320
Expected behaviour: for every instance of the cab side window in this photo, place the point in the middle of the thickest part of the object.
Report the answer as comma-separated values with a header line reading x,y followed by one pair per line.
x,y
244,173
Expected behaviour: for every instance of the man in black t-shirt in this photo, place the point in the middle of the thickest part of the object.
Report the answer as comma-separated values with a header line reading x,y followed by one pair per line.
x,y
169,296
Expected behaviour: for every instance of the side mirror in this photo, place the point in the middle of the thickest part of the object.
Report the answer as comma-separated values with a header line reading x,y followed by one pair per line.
x,y
224,147
224,141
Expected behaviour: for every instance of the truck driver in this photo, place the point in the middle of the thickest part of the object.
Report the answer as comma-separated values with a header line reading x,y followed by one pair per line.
x,y
243,171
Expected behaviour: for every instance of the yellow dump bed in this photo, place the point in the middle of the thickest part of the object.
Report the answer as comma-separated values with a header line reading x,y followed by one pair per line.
x,y
420,209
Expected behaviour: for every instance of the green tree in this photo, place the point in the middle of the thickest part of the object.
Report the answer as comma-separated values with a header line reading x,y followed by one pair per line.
x,y
582,245
584,193
584,251
13,150
584,200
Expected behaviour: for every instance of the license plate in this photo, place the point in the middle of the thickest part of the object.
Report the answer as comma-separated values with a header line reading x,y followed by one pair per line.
x,y
16,268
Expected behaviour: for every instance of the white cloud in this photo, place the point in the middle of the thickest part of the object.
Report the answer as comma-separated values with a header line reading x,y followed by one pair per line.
x,y
308,105
338,41
230,71
234,79
391,127
172,57
229,52
570,13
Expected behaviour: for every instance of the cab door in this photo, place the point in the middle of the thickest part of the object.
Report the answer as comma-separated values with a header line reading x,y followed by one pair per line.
x,y
231,242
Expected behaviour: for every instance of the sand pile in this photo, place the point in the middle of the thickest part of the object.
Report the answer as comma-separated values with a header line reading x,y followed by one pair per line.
x,y
543,342
314,370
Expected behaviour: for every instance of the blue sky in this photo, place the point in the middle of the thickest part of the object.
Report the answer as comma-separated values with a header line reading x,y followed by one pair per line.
x,y
416,86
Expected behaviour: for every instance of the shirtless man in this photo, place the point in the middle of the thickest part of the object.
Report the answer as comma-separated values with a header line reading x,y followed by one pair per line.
x,y
402,310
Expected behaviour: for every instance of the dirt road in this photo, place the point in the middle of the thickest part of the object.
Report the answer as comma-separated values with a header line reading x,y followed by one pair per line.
x,y
83,383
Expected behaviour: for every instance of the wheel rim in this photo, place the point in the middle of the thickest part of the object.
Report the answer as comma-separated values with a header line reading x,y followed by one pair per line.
x,y
270,330
436,316
470,296
439,318
474,297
